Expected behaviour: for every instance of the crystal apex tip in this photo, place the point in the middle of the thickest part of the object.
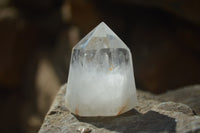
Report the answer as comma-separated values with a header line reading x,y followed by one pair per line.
x,y
102,24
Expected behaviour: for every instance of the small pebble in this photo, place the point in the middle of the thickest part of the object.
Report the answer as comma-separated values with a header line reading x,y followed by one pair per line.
x,y
84,130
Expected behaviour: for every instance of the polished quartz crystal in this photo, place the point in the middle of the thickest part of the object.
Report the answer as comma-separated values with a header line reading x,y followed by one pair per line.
x,y
101,80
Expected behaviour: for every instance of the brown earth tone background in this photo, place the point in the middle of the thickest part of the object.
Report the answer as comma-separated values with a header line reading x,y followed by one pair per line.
x,y
36,38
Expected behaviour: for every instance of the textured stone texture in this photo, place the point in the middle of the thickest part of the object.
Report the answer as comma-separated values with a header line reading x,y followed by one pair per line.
x,y
154,113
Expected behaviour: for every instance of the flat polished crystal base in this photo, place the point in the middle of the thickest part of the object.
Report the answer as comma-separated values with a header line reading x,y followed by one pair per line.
x,y
101,80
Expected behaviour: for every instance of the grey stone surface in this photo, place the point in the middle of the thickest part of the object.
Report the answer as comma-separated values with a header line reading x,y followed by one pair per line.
x,y
187,95
154,114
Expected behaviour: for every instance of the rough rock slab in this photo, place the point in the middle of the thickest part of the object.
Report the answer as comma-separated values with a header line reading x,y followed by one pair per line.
x,y
154,113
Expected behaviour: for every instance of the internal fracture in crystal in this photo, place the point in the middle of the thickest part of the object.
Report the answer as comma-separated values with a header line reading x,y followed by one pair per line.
x,y
101,80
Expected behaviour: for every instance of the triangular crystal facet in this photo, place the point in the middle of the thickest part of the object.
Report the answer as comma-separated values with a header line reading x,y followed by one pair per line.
x,y
101,80
101,37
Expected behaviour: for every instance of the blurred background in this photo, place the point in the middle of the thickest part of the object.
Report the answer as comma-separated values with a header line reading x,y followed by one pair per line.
x,y
36,38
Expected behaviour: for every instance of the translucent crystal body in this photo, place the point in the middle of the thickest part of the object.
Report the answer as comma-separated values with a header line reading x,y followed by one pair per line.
x,y
101,80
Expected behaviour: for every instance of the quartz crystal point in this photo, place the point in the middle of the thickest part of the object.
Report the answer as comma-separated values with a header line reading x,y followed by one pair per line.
x,y
101,80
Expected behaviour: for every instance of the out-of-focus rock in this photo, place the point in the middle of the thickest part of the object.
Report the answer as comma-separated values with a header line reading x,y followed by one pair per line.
x,y
15,53
47,85
162,61
187,9
151,115
36,6
23,43
84,10
4,3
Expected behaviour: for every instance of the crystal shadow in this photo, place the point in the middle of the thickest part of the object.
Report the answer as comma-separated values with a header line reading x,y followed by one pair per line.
x,y
133,121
